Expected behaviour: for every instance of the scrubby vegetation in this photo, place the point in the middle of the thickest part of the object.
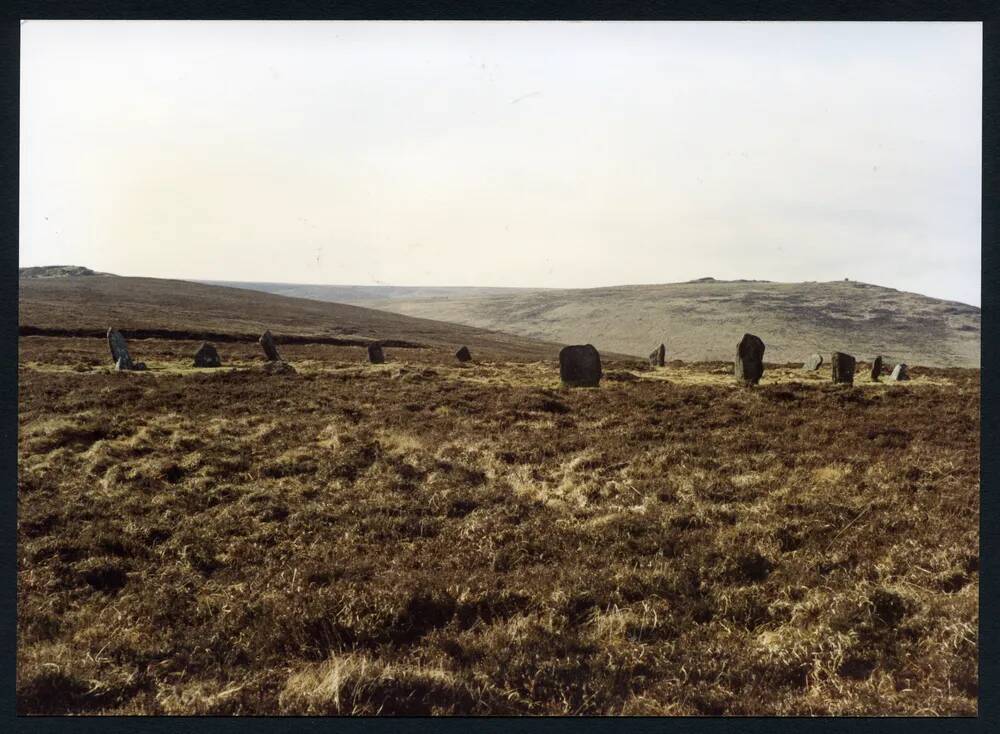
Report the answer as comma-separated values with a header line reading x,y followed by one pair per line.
x,y
421,537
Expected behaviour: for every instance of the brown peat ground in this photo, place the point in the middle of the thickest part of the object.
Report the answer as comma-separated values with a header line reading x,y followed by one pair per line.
x,y
422,537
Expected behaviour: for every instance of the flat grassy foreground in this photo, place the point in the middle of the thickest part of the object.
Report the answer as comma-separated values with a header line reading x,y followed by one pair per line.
x,y
421,538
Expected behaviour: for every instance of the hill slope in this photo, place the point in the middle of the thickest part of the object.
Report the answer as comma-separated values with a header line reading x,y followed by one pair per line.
x,y
363,295
705,319
96,301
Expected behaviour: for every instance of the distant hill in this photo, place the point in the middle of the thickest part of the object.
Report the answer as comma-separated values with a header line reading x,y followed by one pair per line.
x,y
74,302
361,295
699,320
55,271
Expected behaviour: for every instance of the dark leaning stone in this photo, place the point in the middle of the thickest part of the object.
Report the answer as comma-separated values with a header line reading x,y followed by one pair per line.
x,y
843,368
580,366
375,353
749,364
270,348
658,357
814,362
119,348
876,369
463,355
899,373
207,356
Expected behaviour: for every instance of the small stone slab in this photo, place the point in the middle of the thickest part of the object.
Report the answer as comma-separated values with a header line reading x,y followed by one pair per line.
x,y
899,373
207,356
270,348
843,368
814,362
658,357
463,355
278,368
375,353
580,366
749,364
876,368
620,376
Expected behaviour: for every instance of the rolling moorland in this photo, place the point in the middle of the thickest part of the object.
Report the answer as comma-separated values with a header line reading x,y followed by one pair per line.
x,y
426,537
699,320
84,303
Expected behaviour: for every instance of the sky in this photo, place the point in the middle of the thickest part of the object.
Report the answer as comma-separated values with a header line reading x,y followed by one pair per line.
x,y
564,154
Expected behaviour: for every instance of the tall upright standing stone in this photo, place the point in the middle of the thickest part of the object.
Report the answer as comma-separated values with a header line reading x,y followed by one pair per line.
x,y
876,368
119,350
580,366
899,373
375,353
658,358
843,368
749,364
270,348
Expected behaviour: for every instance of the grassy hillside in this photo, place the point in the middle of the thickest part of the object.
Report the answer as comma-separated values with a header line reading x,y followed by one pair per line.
x,y
362,295
703,320
429,537
97,301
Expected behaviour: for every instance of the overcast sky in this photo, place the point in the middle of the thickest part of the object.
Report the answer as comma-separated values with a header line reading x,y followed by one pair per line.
x,y
506,154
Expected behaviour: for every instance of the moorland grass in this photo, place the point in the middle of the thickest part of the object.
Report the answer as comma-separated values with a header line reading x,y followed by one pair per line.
x,y
422,537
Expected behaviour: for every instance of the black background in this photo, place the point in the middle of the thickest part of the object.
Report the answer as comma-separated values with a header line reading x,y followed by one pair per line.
x,y
909,11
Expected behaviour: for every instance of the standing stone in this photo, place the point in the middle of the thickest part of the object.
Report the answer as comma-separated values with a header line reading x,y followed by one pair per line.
x,y
207,356
814,362
876,368
659,356
749,364
843,368
375,353
899,373
119,350
580,366
270,348
463,355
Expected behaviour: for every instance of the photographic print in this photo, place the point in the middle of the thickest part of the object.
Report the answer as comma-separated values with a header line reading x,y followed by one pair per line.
x,y
441,368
